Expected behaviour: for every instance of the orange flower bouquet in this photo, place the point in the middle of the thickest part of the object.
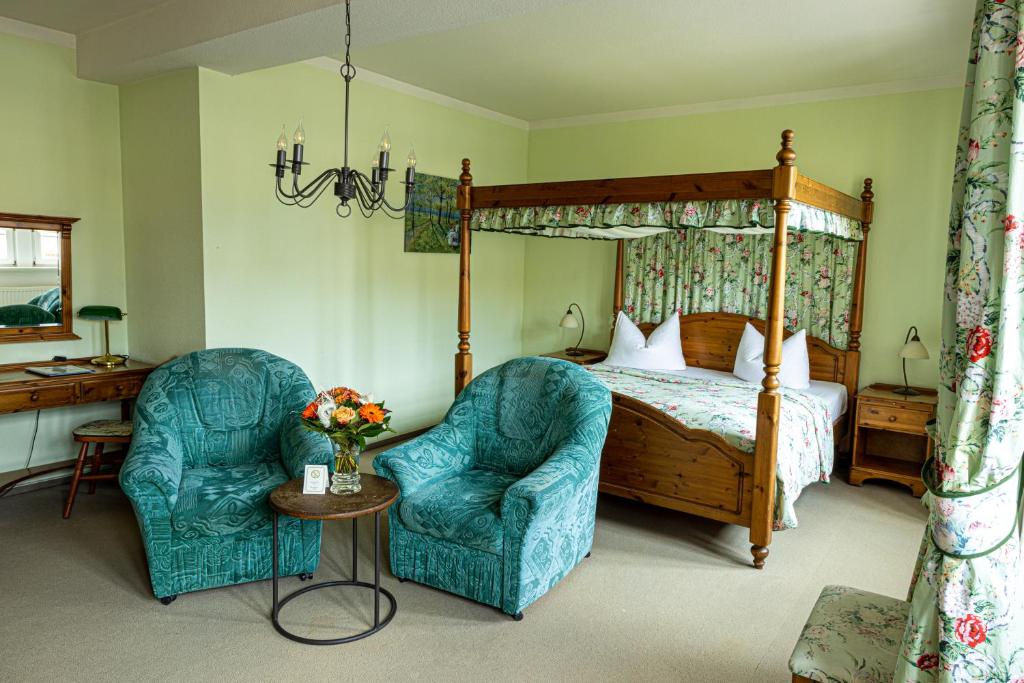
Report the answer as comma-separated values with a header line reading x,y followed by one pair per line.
x,y
348,419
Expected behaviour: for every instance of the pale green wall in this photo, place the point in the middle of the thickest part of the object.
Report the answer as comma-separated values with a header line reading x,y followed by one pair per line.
x,y
61,156
339,297
905,142
163,215
213,260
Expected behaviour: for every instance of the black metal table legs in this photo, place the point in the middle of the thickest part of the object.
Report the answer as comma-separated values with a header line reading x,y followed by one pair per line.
x,y
378,623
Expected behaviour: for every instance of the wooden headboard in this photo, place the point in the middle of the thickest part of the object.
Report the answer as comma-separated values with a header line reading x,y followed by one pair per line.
x,y
710,341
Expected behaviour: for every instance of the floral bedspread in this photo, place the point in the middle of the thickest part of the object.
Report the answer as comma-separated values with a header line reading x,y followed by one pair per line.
x,y
728,407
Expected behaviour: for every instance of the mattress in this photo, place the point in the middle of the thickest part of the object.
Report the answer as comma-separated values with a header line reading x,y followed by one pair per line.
x,y
833,393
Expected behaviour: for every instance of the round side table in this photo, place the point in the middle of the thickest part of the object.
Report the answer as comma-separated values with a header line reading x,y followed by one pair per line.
x,y
376,496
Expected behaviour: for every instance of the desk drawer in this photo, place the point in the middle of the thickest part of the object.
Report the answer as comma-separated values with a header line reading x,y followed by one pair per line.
x,y
110,389
891,417
13,401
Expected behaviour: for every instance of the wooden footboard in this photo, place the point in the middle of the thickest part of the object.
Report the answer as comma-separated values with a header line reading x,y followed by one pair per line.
x,y
651,457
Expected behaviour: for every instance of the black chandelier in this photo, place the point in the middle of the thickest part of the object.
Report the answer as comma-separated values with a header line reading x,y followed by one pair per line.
x,y
349,184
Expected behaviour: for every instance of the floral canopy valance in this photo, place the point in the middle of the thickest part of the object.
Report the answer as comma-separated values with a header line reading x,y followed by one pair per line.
x,y
626,221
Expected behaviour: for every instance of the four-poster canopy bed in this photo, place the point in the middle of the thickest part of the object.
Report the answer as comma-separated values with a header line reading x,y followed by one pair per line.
x,y
649,455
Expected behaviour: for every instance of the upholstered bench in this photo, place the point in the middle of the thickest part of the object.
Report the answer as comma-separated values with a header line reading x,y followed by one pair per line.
x,y
851,636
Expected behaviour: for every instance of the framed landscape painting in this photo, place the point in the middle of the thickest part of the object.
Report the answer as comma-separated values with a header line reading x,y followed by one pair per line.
x,y
432,221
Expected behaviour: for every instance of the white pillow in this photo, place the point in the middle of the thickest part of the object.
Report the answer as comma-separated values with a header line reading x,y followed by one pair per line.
x,y
795,371
661,351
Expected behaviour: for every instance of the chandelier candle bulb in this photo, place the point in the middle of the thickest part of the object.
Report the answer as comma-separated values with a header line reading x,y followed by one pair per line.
x,y
299,138
282,147
410,168
374,171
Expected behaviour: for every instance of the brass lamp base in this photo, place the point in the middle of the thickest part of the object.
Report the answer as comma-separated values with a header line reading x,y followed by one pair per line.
x,y
108,360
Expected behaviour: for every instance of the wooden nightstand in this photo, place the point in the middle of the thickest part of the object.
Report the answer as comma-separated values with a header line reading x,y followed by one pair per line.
x,y
589,357
889,437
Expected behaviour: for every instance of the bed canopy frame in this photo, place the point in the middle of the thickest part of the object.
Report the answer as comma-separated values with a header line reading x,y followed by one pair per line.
x,y
649,456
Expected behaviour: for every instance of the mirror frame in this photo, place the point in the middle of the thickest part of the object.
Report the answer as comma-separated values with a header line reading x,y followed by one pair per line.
x,y
63,331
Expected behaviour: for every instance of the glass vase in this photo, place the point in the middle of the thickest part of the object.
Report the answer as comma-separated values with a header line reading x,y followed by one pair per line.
x,y
345,479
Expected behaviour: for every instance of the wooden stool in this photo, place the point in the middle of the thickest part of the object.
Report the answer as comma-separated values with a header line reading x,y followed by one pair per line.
x,y
98,432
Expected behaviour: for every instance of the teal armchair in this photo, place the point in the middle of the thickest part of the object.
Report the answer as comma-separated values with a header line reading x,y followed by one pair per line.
x,y
214,433
497,502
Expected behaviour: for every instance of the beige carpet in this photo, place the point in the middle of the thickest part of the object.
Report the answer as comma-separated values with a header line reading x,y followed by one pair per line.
x,y
664,596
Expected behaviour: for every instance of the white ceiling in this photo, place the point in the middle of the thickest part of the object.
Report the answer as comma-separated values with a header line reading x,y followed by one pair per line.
x,y
73,16
537,59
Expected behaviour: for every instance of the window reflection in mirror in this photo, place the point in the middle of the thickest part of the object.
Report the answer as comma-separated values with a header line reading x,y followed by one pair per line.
x,y
29,278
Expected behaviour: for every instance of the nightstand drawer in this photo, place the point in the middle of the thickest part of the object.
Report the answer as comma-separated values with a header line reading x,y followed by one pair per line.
x,y
891,417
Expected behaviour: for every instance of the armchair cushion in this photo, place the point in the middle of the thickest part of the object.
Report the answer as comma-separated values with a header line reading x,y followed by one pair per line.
x,y
463,509
220,501
851,635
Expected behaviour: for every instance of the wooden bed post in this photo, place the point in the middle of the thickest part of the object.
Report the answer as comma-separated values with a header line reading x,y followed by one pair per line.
x,y
464,359
620,248
857,306
769,401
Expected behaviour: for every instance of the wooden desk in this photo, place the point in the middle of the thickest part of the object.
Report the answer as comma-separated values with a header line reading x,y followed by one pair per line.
x,y
22,391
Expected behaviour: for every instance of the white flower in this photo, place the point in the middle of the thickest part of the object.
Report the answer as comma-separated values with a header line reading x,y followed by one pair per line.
x,y
323,412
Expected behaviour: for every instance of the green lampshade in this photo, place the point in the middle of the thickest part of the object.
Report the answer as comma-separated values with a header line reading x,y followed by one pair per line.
x,y
100,313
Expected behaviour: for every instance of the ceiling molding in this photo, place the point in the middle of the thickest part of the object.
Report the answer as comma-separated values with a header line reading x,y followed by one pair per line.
x,y
781,99
47,35
331,64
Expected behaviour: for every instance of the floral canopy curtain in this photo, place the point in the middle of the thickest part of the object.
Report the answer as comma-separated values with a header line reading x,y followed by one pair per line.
x,y
697,271
628,221
967,616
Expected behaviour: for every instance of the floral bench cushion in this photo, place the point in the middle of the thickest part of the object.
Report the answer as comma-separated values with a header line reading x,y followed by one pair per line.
x,y
851,635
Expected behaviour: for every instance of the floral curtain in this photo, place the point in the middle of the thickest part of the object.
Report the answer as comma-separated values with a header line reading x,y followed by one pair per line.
x,y
625,221
703,271
967,616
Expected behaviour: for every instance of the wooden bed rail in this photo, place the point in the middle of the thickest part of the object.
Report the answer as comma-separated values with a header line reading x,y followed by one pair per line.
x,y
757,184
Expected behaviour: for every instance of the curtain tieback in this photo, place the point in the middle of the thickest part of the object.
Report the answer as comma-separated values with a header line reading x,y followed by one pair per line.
x,y
969,524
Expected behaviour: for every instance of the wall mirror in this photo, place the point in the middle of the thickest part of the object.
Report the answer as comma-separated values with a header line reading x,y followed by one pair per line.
x,y
35,278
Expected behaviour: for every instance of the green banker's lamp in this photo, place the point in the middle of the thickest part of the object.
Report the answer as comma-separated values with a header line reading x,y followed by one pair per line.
x,y
106,314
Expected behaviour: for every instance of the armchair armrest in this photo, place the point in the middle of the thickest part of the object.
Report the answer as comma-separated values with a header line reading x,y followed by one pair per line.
x,y
301,447
552,489
437,454
152,468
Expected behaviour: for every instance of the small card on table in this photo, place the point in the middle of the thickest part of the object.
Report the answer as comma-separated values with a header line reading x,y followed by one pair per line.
x,y
315,479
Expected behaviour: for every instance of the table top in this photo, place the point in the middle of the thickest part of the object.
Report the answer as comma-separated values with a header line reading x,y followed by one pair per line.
x,y
586,357
15,372
377,494
927,397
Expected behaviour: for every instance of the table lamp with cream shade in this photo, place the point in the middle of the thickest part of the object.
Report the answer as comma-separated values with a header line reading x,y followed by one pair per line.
x,y
569,322
912,349
106,314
